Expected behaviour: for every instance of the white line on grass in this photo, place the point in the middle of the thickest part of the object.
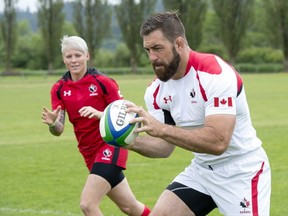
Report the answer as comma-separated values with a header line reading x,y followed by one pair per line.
x,y
40,212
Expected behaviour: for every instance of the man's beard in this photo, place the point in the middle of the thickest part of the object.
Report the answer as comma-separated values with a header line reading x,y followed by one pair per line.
x,y
167,70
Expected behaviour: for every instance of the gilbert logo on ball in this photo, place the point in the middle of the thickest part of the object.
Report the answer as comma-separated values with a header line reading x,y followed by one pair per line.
x,y
114,124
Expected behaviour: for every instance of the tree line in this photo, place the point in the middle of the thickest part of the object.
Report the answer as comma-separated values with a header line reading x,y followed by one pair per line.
x,y
254,31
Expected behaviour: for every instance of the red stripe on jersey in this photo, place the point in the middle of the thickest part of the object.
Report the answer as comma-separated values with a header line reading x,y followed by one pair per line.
x,y
239,81
229,102
154,98
208,63
254,185
205,63
216,102
203,93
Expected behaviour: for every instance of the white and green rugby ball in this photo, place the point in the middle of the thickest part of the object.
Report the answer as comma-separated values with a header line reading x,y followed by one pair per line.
x,y
115,128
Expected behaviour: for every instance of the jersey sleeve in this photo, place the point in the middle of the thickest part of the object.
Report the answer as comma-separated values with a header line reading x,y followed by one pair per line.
x,y
220,90
112,89
56,97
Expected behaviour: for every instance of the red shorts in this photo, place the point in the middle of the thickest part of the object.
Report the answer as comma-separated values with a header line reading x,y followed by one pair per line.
x,y
109,155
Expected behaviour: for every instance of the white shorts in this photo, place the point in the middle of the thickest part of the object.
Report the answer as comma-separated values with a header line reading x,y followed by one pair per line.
x,y
241,186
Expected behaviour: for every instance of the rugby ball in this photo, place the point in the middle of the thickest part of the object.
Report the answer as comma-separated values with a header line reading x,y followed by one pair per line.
x,y
115,128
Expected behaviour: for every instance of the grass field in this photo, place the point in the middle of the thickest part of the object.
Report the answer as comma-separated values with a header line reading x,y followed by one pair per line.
x,y
44,175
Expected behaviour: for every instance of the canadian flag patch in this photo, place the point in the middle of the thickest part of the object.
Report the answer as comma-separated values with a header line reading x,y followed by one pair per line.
x,y
223,102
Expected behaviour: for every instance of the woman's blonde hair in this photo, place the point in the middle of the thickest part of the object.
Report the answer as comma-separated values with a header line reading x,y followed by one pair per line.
x,y
73,42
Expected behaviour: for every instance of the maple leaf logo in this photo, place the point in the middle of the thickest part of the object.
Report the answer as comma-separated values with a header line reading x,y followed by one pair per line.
x,y
107,153
92,88
223,101
192,93
245,203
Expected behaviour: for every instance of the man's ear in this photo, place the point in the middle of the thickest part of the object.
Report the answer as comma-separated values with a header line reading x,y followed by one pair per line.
x,y
179,43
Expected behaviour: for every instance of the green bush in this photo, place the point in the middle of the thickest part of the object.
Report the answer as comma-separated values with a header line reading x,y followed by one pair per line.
x,y
259,68
103,58
258,55
122,56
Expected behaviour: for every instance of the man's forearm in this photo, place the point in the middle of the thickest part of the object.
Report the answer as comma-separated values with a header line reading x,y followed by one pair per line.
x,y
152,147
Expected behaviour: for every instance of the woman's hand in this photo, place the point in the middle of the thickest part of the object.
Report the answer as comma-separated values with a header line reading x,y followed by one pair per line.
x,y
90,112
49,117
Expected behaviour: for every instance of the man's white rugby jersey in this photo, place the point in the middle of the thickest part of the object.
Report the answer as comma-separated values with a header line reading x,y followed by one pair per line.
x,y
210,86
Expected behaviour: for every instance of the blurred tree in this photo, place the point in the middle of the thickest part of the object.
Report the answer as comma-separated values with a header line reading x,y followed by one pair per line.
x,y
130,15
211,41
8,31
192,14
122,55
29,48
234,16
69,28
25,48
92,22
277,24
105,60
257,33
50,21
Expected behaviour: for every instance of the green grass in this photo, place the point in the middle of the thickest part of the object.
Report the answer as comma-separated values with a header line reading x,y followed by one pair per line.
x,y
43,175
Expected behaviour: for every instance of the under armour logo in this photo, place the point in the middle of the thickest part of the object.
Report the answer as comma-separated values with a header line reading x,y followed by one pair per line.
x,y
166,99
67,93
